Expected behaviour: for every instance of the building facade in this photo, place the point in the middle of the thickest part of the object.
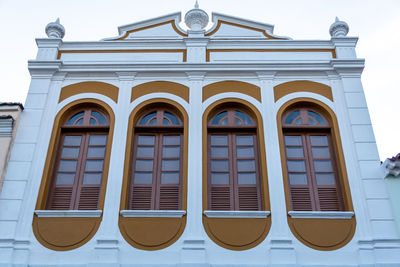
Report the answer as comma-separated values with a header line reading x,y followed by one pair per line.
x,y
172,147
9,118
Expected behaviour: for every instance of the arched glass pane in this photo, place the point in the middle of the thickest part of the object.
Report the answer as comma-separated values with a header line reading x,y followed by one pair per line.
x,y
225,122
74,118
172,117
92,121
292,116
146,118
99,117
298,121
218,117
238,122
153,121
79,122
166,122
317,117
311,121
246,119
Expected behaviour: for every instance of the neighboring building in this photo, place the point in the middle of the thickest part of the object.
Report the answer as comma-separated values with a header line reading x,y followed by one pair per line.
x,y
9,118
166,147
391,168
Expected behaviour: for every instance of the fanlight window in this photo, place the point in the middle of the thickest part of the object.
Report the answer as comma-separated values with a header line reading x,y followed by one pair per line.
x,y
79,165
311,162
156,176
233,171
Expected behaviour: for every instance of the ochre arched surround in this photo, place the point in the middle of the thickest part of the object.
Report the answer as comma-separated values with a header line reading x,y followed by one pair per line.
x,y
153,233
66,233
237,233
105,89
231,86
302,86
320,234
160,87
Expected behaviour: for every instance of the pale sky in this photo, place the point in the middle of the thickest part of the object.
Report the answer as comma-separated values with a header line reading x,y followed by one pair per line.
x,y
375,22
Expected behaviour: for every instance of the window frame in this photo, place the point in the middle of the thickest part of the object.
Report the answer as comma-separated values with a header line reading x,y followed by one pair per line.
x,y
85,131
159,131
232,131
305,131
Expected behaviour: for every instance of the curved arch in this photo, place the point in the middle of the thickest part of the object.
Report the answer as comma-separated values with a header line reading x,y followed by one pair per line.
x,y
55,233
160,87
102,88
286,88
224,232
231,86
153,233
320,234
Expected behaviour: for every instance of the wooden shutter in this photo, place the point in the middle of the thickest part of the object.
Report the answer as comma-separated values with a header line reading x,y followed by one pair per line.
x,y
91,172
156,181
324,172
144,170
66,174
246,172
169,173
220,185
299,176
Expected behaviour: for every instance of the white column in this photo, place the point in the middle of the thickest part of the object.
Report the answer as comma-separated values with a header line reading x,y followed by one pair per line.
x,y
281,250
107,237
193,250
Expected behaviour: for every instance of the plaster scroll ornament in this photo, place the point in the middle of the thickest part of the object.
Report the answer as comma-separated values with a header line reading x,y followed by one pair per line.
x,y
55,29
339,28
196,19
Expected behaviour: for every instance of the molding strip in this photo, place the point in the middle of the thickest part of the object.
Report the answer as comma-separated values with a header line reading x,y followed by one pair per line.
x,y
153,213
321,214
69,213
236,214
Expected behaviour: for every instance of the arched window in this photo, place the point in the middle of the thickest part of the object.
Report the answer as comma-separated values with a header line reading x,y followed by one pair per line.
x,y
233,171
156,173
79,164
312,171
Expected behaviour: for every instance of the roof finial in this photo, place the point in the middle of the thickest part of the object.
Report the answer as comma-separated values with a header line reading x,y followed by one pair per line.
x,y
55,29
339,28
196,19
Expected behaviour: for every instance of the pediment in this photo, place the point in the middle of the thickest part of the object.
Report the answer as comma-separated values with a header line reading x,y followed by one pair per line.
x,y
164,27
230,27
223,27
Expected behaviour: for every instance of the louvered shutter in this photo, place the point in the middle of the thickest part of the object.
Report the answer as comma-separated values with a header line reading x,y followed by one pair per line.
x,y
66,174
246,172
300,184
220,184
142,189
92,168
170,172
328,194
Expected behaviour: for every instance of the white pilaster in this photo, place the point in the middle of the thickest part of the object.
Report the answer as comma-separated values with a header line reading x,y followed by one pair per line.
x,y
281,247
193,249
107,237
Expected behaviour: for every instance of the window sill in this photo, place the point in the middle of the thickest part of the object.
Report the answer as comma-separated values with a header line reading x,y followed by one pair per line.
x,y
68,213
321,214
153,213
236,214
